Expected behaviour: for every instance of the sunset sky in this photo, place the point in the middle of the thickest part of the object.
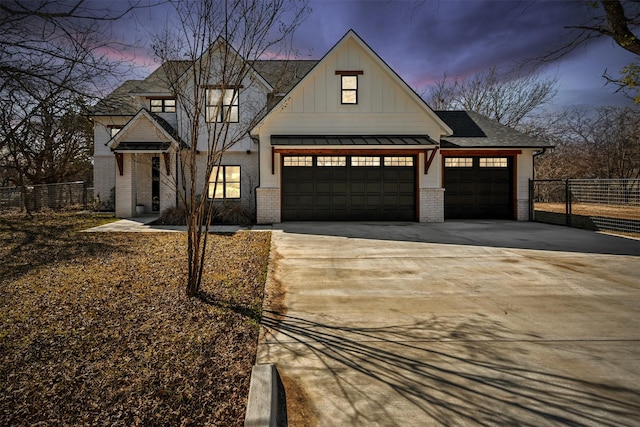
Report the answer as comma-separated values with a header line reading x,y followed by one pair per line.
x,y
422,40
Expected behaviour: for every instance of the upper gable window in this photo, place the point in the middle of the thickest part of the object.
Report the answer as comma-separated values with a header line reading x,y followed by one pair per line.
x,y
222,105
113,130
349,89
167,105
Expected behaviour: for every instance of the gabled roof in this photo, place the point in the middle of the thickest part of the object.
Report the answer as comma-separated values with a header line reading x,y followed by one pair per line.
x,y
119,102
283,75
119,143
473,130
351,35
157,83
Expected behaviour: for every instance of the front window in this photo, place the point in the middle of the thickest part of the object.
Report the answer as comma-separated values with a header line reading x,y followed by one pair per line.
x,y
167,105
222,105
227,184
350,89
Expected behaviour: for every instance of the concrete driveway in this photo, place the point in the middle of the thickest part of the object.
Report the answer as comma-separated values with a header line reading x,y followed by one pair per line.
x,y
461,323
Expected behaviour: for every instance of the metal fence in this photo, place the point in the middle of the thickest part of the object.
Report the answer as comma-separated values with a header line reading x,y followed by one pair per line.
x,y
595,204
33,198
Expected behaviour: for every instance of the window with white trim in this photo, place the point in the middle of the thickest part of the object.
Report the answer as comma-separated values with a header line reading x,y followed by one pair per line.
x,y
398,161
165,105
365,161
304,161
458,162
493,162
331,161
227,185
222,105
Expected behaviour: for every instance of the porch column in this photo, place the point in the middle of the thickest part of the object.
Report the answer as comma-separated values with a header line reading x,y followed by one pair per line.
x,y
126,188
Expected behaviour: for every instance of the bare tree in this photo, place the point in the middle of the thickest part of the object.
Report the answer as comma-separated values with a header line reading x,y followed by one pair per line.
x,y
208,64
617,20
54,144
506,98
51,55
590,143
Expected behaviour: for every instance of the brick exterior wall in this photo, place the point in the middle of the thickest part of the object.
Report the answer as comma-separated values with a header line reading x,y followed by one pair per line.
x,y
523,210
104,178
268,201
431,205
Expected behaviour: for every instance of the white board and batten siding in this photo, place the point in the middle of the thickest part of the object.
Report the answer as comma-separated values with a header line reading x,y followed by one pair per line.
x,y
386,106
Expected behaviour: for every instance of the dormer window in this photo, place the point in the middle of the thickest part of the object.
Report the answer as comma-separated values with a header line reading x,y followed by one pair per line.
x,y
164,105
349,86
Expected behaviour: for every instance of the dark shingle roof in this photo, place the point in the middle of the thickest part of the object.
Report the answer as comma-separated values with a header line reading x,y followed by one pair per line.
x,y
473,130
158,81
118,102
352,140
283,75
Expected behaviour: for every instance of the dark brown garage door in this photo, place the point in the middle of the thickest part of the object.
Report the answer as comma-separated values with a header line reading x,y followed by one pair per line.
x,y
478,187
352,188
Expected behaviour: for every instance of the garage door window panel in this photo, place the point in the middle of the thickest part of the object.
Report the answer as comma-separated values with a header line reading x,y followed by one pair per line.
x,y
335,161
458,162
398,161
300,161
494,162
370,161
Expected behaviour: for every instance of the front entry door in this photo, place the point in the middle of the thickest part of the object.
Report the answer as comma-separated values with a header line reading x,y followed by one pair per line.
x,y
155,184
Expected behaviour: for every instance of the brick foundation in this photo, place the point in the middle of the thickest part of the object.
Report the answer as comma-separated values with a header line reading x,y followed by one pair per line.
x,y
431,205
268,205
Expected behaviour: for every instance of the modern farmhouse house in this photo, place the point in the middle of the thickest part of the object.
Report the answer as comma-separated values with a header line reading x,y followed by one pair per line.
x,y
342,138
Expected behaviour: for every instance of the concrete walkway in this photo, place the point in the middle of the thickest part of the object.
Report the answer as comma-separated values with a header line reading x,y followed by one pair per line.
x,y
461,323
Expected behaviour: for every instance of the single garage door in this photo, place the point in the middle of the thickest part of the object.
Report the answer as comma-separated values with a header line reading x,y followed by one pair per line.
x,y
352,188
478,187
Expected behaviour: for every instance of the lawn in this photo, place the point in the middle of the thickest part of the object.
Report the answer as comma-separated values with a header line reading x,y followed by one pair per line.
x,y
593,209
96,328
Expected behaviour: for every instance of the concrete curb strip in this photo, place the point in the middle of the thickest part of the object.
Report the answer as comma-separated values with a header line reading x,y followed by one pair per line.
x,y
262,406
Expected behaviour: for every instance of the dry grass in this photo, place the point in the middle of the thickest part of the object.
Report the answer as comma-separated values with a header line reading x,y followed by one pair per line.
x,y
592,209
97,330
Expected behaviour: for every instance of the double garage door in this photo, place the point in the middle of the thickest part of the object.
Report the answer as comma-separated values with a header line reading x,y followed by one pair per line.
x,y
352,188
478,187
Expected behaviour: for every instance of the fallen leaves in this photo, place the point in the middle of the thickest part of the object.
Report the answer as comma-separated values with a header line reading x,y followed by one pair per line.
x,y
97,330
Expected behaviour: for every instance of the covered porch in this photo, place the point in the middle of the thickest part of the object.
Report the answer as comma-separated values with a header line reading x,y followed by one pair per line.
x,y
146,152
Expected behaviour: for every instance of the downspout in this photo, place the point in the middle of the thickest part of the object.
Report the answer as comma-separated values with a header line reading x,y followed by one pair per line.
x,y
255,188
539,153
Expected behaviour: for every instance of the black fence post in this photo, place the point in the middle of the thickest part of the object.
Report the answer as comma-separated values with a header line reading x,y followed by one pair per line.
x,y
567,201
531,207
